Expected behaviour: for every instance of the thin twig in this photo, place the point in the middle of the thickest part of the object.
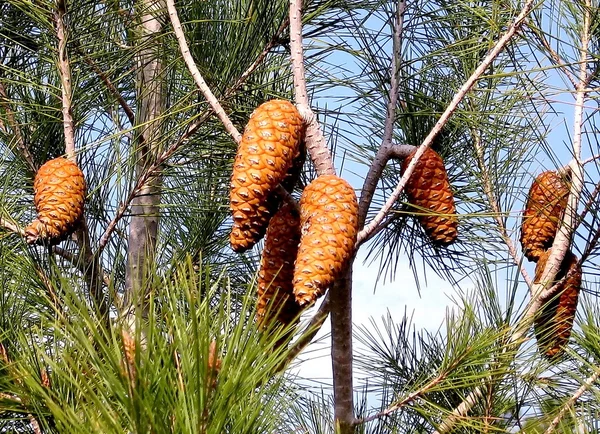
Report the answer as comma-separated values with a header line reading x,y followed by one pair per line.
x,y
313,327
383,153
458,97
16,129
189,61
11,227
489,192
572,400
109,85
542,290
70,257
64,70
554,55
315,142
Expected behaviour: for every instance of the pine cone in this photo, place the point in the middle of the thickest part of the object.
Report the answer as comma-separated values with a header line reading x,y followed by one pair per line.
x,y
429,190
269,146
59,195
554,320
546,203
275,287
329,226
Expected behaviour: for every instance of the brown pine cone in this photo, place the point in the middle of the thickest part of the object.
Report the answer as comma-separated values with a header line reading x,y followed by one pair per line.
x,y
275,287
329,225
59,195
428,189
269,146
546,203
554,321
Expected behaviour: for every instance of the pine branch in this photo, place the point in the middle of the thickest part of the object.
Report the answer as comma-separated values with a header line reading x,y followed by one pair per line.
x,y
109,85
384,152
489,192
12,227
156,167
315,142
588,382
542,290
416,394
198,79
64,70
458,97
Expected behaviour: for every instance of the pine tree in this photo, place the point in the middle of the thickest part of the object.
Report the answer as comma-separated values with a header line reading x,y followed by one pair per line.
x,y
139,316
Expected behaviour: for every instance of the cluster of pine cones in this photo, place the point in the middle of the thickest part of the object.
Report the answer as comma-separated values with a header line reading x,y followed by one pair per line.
x,y
543,213
306,249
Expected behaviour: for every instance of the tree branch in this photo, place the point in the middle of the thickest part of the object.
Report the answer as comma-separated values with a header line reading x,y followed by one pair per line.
x,y
458,97
109,85
189,61
489,192
310,331
384,151
315,142
64,70
572,400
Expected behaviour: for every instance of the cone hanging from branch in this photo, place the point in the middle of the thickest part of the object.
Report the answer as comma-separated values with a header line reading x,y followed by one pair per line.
x,y
554,321
329,225
275,287
545,206
59,196
269,146
429,190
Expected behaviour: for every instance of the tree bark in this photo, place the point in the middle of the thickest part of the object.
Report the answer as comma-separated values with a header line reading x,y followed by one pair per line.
x,y
341,352
143,228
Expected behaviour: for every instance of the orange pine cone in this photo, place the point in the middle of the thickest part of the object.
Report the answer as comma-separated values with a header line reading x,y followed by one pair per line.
x,y
546,202
554,321
329,226
270,143
275,287
429,190
59,195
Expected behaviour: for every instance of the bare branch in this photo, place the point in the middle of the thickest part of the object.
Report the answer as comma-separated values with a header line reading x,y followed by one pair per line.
x,y
572,400
189,61
315,142
383,153
64,69
458,97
